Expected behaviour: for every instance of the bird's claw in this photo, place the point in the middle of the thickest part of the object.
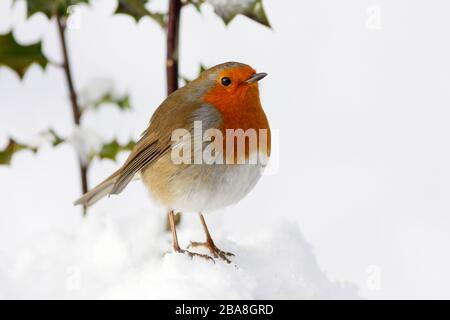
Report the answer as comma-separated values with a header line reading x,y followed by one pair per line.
x,y
194,254
216,252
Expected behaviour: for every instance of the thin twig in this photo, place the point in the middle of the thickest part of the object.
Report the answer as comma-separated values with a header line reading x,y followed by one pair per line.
x,y
173,27
76,111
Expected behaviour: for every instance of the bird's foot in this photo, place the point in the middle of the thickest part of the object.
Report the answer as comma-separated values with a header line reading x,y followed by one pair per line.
x,y
216,252
194,254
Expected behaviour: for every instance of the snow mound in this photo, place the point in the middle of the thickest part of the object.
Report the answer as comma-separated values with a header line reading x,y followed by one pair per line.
x,y
129,258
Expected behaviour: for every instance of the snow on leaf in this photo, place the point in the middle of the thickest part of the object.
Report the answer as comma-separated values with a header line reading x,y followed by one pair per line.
x,y
45,137
87,143
122,102
50,7
102,91
137,9
18,57
11,148
48,136
228,9
54,138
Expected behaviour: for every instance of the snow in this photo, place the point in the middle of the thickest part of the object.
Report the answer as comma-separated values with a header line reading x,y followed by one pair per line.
x,y
229,8
363,163
86,141
130,258
94,90
42,139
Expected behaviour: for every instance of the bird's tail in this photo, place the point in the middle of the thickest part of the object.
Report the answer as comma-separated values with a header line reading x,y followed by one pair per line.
x,y
103,189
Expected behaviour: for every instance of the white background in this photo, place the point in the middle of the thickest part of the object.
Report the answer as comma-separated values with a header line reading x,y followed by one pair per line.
x,y
358,90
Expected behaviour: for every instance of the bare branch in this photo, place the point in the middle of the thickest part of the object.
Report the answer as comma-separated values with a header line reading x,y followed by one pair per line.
x,y
173,26
76,111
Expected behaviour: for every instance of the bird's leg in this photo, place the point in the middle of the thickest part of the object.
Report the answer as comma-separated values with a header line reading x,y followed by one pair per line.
x,y
209,244
176,245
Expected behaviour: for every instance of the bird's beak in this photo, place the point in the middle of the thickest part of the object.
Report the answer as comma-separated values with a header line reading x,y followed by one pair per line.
x,y
256,77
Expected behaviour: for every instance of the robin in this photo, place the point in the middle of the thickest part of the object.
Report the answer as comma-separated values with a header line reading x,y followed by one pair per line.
x,y
222,100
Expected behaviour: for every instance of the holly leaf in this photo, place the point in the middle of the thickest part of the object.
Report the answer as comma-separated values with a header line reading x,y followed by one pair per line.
x,y
228,10
18,57
11,148
51,7
54,138
112,149
137,9
200,70
47,7
196,3
44,137
258,14
100,91
122,102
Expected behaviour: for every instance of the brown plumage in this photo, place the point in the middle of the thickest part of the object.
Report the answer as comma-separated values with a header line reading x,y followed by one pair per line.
x,y
195,187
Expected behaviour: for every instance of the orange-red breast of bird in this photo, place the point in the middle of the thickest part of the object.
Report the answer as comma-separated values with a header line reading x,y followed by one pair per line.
x,y
240,105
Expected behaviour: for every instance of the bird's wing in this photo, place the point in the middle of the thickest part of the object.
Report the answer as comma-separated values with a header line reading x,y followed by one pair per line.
x,y
148,148
174,113
156,141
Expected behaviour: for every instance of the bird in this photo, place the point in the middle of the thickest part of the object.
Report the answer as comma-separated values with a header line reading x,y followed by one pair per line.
x,y
223,100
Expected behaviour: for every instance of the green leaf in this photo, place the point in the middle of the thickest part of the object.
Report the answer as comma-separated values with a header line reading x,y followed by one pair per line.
x,y
196,3
47,7
18,57
51,7
112,149
11,148
100,91
137,9
200,70
123,102
55,138
252,9
258,14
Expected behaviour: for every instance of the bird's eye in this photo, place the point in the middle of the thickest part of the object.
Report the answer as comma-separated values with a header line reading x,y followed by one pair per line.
x,y
225,81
